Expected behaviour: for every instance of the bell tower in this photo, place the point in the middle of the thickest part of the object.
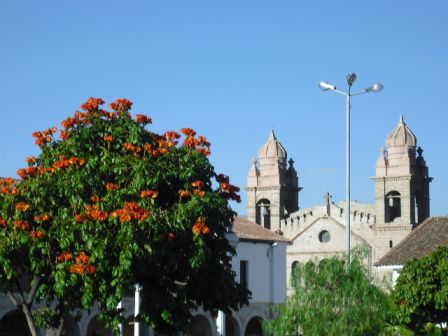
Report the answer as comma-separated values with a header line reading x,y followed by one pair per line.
x,y
401,181
272,186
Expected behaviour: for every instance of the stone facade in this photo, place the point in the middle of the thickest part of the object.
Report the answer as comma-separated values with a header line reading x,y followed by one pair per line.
x,y
401,202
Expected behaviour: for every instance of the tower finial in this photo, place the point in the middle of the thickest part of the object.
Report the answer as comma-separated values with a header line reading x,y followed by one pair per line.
x,y
401,119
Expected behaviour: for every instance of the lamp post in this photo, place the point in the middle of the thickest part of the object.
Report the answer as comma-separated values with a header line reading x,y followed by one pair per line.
x,y
351,77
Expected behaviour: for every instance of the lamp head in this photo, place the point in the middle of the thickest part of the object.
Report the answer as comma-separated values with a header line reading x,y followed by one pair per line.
x,y
326,86
377,87
351,77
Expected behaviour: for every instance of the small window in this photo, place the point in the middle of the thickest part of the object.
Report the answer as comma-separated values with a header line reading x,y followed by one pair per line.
x,y
324,236
244,272
391,244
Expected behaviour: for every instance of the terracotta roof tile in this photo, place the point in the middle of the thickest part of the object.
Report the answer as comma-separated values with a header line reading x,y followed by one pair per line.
x,y
248,230
424,239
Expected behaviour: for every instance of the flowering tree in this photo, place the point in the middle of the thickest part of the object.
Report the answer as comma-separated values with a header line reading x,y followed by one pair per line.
x,y
111,204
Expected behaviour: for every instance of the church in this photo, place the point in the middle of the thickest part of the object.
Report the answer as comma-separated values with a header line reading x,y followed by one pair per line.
x,y
401,202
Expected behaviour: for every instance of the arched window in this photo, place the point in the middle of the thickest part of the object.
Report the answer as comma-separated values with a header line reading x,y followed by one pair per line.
x,y
254,328
199,326
392,206
232,328
14,324
263,213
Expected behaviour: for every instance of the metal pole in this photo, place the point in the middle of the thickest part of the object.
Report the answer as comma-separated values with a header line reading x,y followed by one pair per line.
x,y
347,182
136,310
120,305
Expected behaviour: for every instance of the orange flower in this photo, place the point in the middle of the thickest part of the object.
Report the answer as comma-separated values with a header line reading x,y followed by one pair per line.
x,y
65,256
198,184
171,135
96,199
92,104
41,218
200,193
184,193
201,227
64,135
188,132
31,160
80,218
131,210
22,206
108,138
91,269
143,119
197,229
205,230
112,186
94,212
82,258
121,104
3,222
7,181
37,234
149,194
20,224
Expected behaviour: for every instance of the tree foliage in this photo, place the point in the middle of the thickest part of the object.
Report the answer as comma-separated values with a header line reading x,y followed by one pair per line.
x,y
111,204
422,291
328,300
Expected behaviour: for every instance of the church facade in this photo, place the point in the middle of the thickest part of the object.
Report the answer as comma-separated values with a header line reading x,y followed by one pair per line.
x,y
401,202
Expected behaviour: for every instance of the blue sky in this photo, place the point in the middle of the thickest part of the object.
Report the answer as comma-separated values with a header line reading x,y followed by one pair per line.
x,y
232,70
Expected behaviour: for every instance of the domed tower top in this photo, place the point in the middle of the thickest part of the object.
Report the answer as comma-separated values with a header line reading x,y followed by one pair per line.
x,y
402,180
273,149
401,136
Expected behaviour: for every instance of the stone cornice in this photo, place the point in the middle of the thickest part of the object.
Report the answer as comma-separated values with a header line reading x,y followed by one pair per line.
x,y
392,178
385,227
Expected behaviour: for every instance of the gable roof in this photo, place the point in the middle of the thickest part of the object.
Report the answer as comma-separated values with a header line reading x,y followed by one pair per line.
x,y
352,233
424,239
247,230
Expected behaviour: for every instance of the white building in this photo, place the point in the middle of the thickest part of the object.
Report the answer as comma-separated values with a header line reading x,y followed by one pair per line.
x,y
260,262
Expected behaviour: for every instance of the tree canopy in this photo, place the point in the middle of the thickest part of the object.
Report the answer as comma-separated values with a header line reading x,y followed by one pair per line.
x,y
110,204
328,300
421,291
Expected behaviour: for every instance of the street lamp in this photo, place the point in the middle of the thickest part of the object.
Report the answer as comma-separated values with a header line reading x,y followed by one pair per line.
x,y
351,77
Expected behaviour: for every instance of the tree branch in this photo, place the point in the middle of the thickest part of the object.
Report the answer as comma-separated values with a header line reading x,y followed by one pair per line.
x,y
33,289
20,291
13,298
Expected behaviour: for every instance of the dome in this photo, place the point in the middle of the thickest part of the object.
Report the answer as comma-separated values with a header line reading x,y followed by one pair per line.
x,y
273,148
401,136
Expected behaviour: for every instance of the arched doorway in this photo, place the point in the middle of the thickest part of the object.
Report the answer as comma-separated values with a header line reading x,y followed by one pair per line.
x,y
232,327
253,327
199,326
97,327
14,324
71,328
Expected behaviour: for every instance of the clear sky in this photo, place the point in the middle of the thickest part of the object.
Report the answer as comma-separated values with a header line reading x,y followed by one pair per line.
x,y
232,70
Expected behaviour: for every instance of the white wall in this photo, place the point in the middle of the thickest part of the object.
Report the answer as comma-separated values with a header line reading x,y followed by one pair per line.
x,y
267,270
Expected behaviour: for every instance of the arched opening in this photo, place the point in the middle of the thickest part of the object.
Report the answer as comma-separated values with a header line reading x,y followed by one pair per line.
x,y
14,324
199,326
419,212
393,206
128,327
232,328
71,328
263,213
295,269
97,327
254,328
